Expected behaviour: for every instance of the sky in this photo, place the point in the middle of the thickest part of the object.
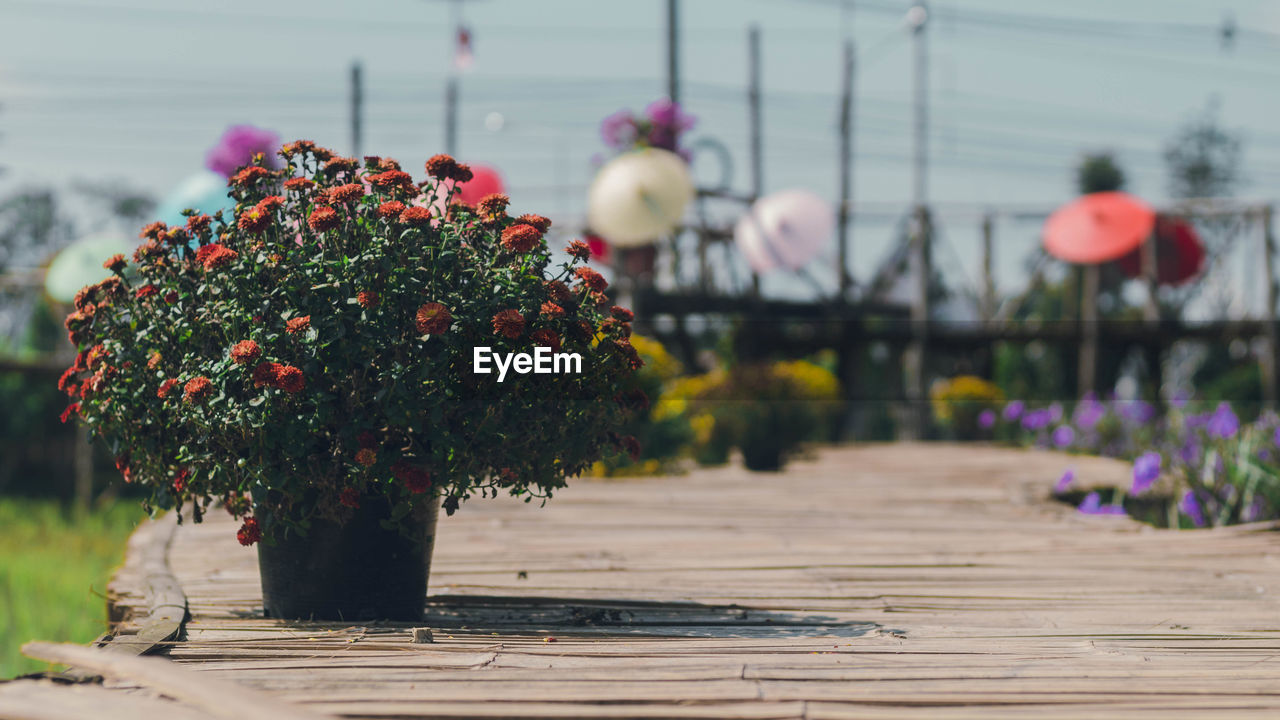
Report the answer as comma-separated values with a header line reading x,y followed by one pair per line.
x,y
137,90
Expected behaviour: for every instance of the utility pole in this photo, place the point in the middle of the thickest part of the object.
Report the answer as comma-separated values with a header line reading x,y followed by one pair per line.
x,y
915,359
756,126
673,50
846,167
357,102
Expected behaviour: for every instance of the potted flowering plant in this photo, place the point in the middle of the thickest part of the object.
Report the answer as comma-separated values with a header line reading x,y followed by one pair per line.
x,y
308,363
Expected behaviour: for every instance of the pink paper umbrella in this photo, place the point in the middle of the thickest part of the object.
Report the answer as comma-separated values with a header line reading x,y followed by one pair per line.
x,y
1098,227
785,229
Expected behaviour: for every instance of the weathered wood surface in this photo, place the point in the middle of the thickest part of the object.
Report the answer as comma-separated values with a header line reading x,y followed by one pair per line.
x,y
914,581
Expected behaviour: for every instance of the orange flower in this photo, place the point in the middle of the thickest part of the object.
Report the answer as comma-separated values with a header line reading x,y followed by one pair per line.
x,y
290,379
199,224
591,279
249,533
393,180
551,310
622,313
390,209
116,263
543,224
245,352
521,238
367,299
265,374
197,389
270,203
346,193
416,216
509,324
579,250
444,167
153,231
295,325
324,218
254,220
249,175
146,291
546,338
215,256
299,184
166,388
433,319
367,457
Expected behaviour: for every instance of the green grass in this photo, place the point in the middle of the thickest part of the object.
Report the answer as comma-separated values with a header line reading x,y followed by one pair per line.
x,y
54,570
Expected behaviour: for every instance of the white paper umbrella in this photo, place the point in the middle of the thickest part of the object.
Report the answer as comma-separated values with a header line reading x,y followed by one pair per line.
x,y
638,197
785,229
80,264
204,191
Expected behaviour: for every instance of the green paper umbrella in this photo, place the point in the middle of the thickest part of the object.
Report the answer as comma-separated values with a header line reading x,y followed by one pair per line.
x,y
81,264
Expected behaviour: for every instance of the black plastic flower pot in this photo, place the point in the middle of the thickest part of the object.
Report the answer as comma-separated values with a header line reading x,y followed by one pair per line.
x,y
352,571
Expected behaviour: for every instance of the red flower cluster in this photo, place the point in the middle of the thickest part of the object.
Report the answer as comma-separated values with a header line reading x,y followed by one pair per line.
x,y
621,313
116,263
245,352
299,184
444,167
390,209
546,338
367,457
433,319
350,497
249,175
591,279
394,180
249,533
493,207
367,299
278,375
180,480
346,193
416,479
146,291
521,238
543,224
551,311
579,250
198,225
296,325
416,216
324,218
165,388
197,389
214,256
509,324
255,220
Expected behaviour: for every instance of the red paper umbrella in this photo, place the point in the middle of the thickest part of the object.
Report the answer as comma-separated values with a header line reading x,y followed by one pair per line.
x,y
1098,227
1179,253
485,181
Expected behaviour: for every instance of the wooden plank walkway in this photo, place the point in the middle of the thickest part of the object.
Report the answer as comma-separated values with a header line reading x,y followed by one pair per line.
x,y
903,581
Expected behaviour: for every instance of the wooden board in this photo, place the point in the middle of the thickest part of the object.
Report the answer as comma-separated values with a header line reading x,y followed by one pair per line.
x,y
913,581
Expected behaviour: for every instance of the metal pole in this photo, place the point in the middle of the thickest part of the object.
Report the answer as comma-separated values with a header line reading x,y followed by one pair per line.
x,y
1151,276
673,50
1270,370
451,85
357,100
846,167
988,261
1087,372
756,122
915,359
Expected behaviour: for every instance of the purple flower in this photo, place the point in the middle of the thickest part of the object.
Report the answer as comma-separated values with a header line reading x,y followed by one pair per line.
x,y
1055,412
1063,436
987,419
238,145
1036,420
1224,423
1197,420
619,130
1146,470
1089,412
1138,412
1065,481
1190,507
1092,505
1180,399
1013,410
1189,453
